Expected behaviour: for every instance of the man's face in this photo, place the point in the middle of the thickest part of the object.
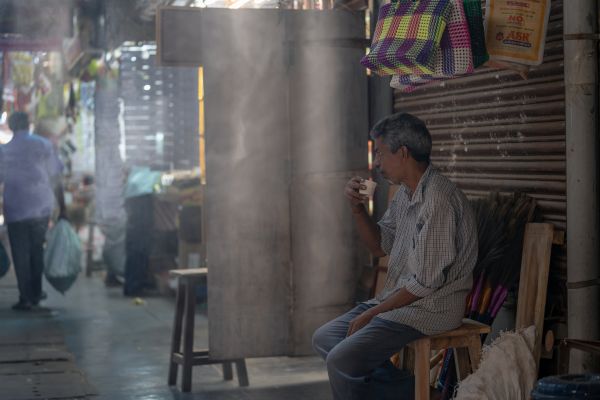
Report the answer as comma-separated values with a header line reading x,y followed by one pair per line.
x,y
390,165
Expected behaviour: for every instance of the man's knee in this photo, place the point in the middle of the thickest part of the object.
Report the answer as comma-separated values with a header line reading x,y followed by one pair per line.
x,y
344,359
319,340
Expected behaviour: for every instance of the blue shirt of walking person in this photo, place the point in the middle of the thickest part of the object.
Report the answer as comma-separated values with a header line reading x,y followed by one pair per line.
x,y
29,167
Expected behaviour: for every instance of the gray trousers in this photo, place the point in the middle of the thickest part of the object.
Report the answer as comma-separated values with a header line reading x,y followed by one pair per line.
x,y
350,360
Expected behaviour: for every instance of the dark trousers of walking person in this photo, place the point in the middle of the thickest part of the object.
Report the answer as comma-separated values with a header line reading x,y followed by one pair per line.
x,y
27,240
352,359
138,243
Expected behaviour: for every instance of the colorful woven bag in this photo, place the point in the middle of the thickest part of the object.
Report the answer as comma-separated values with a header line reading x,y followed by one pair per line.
x,y
454,57
474,16
407,37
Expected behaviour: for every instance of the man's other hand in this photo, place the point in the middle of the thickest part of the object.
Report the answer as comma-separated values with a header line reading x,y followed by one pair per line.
x,y
360,322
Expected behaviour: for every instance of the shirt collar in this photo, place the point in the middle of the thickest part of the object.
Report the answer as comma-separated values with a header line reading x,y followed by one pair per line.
x,y
418,195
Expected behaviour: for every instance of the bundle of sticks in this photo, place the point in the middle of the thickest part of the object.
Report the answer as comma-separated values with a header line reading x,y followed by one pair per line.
x,y
501,221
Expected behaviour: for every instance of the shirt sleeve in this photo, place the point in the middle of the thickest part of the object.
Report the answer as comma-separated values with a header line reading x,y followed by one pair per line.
x,y
434,251
387,225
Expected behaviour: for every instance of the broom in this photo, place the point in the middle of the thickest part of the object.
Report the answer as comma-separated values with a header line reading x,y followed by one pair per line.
x,y
501,224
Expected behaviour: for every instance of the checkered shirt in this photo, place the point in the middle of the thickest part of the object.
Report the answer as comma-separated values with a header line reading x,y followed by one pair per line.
x,y
431,239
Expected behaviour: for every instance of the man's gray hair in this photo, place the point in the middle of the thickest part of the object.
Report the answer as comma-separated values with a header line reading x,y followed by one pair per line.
x,y
403,129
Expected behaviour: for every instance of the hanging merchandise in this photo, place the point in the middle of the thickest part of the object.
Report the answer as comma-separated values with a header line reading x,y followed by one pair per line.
x,y
8,92
22,67
407,37
516,30
474,16
454,57
47,106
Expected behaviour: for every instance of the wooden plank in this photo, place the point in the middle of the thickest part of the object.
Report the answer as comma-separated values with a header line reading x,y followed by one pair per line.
x,y
464,329
533,283
442,343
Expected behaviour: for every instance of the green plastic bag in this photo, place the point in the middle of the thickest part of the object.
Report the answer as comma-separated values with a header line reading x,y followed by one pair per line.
x,y
62,256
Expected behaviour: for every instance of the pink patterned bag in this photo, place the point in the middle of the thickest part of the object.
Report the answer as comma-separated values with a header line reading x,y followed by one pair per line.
x,y
453,59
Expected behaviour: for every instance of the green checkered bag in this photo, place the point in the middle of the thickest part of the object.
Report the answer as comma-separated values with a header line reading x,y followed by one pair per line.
x,y
474,16
407,37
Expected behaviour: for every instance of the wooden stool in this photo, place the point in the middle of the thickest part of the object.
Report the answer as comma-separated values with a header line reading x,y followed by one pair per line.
x,y
465,340
184,310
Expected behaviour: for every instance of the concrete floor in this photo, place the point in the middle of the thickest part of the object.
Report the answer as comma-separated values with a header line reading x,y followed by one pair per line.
x,y
123,348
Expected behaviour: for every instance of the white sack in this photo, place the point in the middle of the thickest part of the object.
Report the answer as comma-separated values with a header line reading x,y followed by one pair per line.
x,y
507,370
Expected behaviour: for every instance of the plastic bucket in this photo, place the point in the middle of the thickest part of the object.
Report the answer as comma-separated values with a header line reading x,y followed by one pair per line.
x,y
578,386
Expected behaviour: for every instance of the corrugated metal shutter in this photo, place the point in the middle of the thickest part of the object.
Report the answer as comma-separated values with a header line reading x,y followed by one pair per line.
x,y
494,131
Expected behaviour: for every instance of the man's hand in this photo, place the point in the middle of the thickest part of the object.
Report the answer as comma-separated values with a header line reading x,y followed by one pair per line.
x,y
351,192
360,322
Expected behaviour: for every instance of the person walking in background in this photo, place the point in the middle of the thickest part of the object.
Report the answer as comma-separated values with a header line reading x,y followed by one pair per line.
x,y
30,171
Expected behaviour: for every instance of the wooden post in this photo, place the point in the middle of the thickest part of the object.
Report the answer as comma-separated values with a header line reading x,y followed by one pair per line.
x,y
533,283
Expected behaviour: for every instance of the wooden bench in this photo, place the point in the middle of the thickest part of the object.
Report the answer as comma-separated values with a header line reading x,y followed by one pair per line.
x,y
188,357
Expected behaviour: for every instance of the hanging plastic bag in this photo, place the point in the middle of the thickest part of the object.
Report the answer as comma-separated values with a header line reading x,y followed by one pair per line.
x,y
113,250
62,256
407,37
454,57
4,261
515,31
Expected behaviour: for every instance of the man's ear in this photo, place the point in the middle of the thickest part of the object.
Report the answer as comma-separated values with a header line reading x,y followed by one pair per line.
x,y
404,151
